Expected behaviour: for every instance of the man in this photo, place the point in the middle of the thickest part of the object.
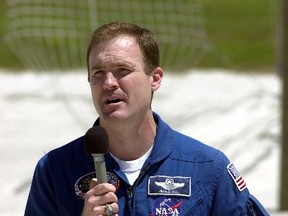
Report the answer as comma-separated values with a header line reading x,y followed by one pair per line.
x,y
151,169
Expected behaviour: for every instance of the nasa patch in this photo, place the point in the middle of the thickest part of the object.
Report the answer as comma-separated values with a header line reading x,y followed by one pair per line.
x,y
166,206
82,185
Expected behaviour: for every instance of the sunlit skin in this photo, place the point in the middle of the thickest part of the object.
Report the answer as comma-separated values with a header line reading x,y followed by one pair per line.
x,y
121,92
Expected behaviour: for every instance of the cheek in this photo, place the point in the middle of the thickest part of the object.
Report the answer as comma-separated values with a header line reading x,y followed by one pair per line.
x,y
138,90
95,94
143,92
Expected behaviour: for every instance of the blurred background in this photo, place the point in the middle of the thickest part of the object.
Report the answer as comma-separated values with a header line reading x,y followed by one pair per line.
x,y
45,35
223,82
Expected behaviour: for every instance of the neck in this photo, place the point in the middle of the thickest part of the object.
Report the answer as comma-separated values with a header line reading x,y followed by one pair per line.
x,y
130,141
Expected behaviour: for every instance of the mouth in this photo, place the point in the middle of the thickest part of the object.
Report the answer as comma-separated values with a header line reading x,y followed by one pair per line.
x,y
113,101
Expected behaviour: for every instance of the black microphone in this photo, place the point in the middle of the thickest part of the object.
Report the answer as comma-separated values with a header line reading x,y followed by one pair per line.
x,y
96,142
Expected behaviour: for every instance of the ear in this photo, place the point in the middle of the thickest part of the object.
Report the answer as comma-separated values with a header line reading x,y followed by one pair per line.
x,y
156,78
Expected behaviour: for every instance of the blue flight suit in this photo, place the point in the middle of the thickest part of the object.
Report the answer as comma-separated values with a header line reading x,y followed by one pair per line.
x,y
182,176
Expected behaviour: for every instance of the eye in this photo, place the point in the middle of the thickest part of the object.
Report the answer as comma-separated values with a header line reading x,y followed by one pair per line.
x,y
98,74
123,71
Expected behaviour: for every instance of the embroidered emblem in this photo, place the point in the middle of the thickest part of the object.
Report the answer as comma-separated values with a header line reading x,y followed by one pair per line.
x,y
113,179
169,185
166,206
82,185
237,178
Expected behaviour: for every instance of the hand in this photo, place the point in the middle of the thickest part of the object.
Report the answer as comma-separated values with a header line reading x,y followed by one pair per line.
x,y
98,197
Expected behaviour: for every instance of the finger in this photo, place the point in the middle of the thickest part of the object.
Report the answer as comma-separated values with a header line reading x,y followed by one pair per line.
x,y
101,189
102,193
107,198
93,183
115,207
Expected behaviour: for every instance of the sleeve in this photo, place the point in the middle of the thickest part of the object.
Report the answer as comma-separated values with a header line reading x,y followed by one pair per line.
x,y
41,200
257,206
231,195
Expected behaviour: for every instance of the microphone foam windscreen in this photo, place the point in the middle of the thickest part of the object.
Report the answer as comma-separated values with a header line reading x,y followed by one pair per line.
x,y
96,140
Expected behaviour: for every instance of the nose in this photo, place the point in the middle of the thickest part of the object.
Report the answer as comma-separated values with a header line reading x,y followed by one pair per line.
x,y
110,82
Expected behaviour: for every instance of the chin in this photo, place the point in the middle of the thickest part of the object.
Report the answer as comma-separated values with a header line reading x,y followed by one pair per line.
x,y
115,116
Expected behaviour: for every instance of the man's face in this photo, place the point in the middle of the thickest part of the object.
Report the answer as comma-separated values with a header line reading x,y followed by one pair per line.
x,y
120,88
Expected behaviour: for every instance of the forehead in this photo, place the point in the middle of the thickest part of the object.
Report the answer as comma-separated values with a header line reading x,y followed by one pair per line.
x,y
120,48
123,42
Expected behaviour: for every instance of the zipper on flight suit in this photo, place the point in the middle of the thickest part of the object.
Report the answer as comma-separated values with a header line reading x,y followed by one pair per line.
x,y
130,189
251,209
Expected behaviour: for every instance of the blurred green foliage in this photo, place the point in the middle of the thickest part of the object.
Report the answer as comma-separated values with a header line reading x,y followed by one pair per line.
x,y
241,35
7,59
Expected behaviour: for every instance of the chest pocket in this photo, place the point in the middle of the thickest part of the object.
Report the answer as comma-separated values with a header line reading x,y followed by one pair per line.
x,y
198,204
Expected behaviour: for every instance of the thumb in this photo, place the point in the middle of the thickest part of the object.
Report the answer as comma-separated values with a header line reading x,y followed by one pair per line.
x,y
93,183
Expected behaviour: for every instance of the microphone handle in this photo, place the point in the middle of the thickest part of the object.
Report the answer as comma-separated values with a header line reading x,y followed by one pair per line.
x,y
100,167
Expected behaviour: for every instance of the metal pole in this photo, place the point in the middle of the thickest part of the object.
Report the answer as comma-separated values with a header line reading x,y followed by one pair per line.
x,y
283,51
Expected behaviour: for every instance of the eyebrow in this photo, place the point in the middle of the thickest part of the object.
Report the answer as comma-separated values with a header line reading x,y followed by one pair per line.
x,y
115,64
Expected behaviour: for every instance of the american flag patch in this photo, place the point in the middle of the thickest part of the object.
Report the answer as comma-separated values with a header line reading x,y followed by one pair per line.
x,y
238,179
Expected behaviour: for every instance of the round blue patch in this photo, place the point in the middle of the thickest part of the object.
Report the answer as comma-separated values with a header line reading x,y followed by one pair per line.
x,y
82,185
